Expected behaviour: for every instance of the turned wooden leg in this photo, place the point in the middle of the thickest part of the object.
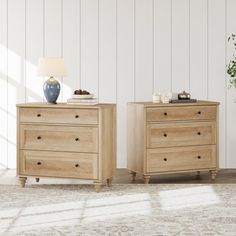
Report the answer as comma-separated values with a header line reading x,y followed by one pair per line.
x,y
146,179
37,180
22,181
97,186
109,182
213,174
198,174
132,176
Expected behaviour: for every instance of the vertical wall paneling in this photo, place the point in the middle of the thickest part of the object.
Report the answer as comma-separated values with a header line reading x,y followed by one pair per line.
x,y
89,44
34,49
144,49
53,28
198,49
78,36
162,46
231,93
216,63
121,50
16,70
180,45
125,72
71,46
53,32
107,50
3,84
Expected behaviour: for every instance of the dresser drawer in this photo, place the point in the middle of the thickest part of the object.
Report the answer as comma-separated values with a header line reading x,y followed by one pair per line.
x,y
59,164
58,138
181,158
180,114
56,115
180,134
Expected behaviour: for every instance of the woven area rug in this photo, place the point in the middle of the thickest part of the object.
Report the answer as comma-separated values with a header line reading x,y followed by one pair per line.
x,y
128,209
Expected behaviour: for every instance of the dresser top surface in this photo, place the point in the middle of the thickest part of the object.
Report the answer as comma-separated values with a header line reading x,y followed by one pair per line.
x,y
198,103
63,105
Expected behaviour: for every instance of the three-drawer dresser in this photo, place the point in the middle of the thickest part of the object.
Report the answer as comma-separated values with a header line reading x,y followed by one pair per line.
x,y
172,138
66,141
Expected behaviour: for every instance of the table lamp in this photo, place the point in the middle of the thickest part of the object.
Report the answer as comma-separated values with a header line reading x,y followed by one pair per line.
x,y
51,66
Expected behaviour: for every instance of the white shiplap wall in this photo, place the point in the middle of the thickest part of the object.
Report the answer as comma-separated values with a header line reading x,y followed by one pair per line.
x,y
121,50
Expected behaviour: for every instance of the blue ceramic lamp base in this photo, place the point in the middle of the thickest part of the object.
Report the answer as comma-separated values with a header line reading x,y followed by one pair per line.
x,y
51,89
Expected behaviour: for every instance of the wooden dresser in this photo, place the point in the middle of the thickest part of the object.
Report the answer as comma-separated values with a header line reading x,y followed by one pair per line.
x,y
172,138
66,141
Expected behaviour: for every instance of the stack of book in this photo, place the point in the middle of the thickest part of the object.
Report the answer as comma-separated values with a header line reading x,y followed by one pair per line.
x,y
83,101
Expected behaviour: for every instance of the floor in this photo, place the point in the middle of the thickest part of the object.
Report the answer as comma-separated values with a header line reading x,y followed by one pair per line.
x,y
122,210
224,176
56,207
227,176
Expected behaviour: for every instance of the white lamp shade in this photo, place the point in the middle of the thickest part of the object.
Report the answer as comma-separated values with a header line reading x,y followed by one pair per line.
x,y
51,66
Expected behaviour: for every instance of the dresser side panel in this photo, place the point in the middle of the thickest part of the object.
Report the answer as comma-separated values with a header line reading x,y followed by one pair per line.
x,y
136,137
217,137
18,140
107,142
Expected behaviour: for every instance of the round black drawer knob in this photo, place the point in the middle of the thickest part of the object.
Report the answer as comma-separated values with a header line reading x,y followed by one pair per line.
x,y
76,139
38,115
76,165
199,113
76,116
165,114
165,159
199,157
39,163
39,137
199,133
165,135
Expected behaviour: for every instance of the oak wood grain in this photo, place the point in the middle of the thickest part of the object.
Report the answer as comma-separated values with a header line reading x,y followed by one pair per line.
x,y
177,114
63,164
181,158
181,134
58,115
59,138
172,138
66,141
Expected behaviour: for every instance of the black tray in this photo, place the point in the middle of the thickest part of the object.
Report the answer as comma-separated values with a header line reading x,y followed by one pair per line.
x,y
183,101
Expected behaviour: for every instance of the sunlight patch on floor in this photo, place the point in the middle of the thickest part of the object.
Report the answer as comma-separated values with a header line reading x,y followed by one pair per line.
x,y
188,197
72,213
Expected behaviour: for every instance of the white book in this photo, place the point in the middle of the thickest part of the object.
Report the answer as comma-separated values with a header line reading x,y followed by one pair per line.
x,y
92,101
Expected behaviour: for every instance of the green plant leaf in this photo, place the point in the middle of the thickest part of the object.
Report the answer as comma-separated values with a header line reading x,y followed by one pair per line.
x,y
231,66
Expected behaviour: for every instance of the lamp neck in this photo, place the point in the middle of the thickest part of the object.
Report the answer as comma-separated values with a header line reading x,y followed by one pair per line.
x,y
52,80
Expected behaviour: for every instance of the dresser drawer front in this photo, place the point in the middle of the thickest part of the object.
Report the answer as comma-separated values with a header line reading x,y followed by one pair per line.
x,y
181,113
59,164
181,134
55,115
181,158
58,138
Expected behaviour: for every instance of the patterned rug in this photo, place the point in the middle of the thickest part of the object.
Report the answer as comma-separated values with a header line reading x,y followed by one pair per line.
x,y
130,209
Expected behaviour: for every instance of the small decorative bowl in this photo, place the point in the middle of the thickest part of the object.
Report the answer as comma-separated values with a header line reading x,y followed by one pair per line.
x,y
184,96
